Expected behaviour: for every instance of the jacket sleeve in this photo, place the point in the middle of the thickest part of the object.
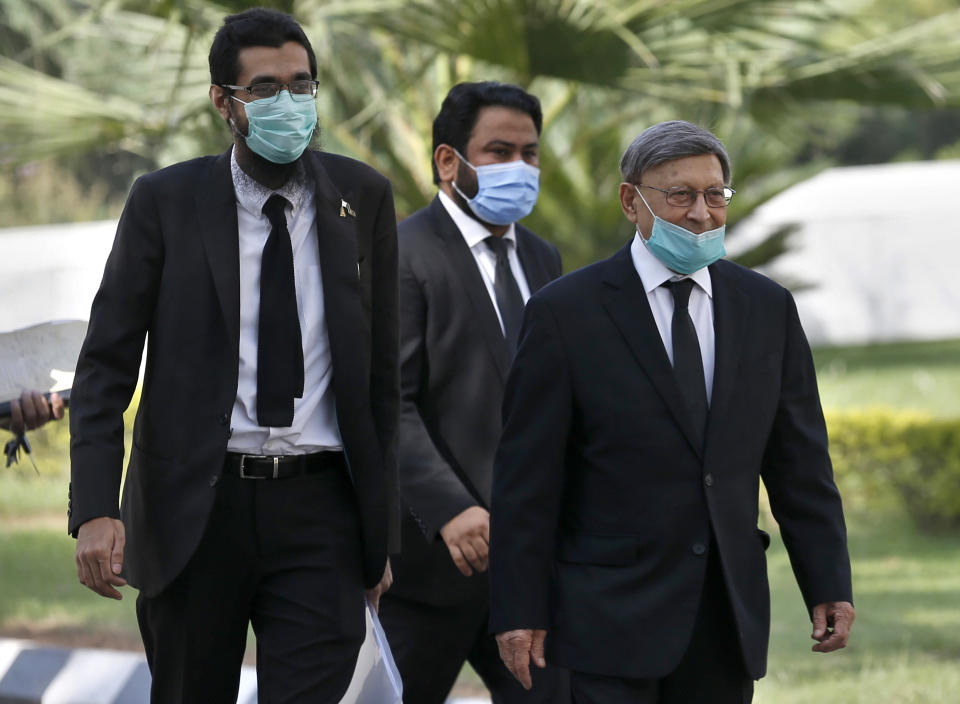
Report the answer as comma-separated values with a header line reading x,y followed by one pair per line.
x,y
529,474
109,362
799,477
428,484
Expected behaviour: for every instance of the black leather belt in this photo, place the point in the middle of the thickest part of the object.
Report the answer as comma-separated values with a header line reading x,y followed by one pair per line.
x,y
280,466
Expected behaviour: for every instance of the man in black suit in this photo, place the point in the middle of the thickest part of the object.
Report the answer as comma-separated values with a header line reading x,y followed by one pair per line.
x,y
466,268
650,394
262,471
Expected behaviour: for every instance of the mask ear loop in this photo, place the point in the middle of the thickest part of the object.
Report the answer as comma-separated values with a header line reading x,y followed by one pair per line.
x,y
233,123
637,189
454,181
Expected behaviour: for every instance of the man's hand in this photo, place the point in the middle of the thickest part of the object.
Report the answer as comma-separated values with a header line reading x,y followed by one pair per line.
x,y
373,595
518,648
32,411
832,622
99,556
467,536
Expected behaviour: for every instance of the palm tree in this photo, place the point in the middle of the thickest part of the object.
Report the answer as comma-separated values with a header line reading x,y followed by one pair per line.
x,y
767,75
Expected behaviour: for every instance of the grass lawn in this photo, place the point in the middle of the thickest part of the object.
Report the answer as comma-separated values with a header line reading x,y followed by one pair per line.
x,y
923,376
906,644
906,639
43,599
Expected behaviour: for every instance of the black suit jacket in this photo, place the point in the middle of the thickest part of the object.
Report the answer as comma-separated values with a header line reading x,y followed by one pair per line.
x,y
173,277
454,364
603,504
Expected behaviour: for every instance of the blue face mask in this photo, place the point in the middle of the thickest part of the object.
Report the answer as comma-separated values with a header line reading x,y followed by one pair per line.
x,y
681,250
505,192
280,130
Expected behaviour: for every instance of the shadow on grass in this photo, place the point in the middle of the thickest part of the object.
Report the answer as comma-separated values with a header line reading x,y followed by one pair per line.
x,y
906,639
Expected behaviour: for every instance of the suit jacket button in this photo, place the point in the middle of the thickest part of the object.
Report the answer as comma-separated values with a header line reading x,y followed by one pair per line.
x,y
708,480
699,549
224,419
214,479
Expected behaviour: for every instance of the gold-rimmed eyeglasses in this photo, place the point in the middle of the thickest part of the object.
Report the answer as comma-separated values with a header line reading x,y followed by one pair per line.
x,y
684,197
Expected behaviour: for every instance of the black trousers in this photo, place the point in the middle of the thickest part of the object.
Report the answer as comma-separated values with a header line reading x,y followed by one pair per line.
x,y
431,643
283,555
710,672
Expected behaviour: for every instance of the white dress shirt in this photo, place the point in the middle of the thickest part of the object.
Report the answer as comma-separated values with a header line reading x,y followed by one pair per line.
x,y
654,273
314,425
474,235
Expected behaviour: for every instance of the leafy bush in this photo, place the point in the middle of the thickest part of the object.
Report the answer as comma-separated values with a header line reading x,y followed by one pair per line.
x,y
881,455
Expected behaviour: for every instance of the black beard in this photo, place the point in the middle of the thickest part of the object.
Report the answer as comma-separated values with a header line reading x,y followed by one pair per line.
x,y
262,170
466,181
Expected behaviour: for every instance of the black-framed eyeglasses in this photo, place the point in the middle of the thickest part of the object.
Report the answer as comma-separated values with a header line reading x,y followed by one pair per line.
x,y
301,91
684,197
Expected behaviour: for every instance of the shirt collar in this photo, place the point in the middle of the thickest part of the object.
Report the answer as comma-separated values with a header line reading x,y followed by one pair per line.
x,y
251,194
473,232
654,273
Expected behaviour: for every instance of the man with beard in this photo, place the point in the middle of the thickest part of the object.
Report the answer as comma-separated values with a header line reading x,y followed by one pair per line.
x,y
466,269
261,474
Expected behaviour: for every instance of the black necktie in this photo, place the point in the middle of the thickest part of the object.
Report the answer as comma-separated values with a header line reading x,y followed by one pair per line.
x,y
507,293
279,347
687,363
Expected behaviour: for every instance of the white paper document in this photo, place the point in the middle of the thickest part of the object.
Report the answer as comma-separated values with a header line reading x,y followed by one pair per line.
x,y
376,679
41,357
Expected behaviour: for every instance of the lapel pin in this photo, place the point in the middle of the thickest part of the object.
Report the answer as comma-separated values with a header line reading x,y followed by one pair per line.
x,y
345,209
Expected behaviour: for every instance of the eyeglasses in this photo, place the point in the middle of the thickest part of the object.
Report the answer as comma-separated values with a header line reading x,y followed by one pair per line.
x,y
684,197
301,91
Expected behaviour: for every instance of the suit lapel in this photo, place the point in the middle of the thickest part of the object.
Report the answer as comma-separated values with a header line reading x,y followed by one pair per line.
x,y
464,266
625,300
536,274
337,244
217,211
730,311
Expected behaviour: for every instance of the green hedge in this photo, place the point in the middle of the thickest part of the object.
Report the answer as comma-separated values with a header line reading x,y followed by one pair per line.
x,y
883,455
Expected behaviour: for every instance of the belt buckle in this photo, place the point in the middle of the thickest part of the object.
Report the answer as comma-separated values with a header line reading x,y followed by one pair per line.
x,y
276,465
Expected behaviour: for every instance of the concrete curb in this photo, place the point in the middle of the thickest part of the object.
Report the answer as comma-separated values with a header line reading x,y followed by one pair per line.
x,y
32,673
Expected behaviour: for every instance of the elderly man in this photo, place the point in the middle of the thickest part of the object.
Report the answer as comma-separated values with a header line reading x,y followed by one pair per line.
x,y
650,394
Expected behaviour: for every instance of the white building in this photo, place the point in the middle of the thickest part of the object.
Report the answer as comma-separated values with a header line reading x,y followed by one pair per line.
x,y
880,246
51,272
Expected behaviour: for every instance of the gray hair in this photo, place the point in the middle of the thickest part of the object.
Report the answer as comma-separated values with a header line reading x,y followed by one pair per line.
x,y
667,141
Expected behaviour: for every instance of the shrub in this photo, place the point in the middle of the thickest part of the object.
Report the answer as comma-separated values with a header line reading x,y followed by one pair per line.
x,y
881,455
